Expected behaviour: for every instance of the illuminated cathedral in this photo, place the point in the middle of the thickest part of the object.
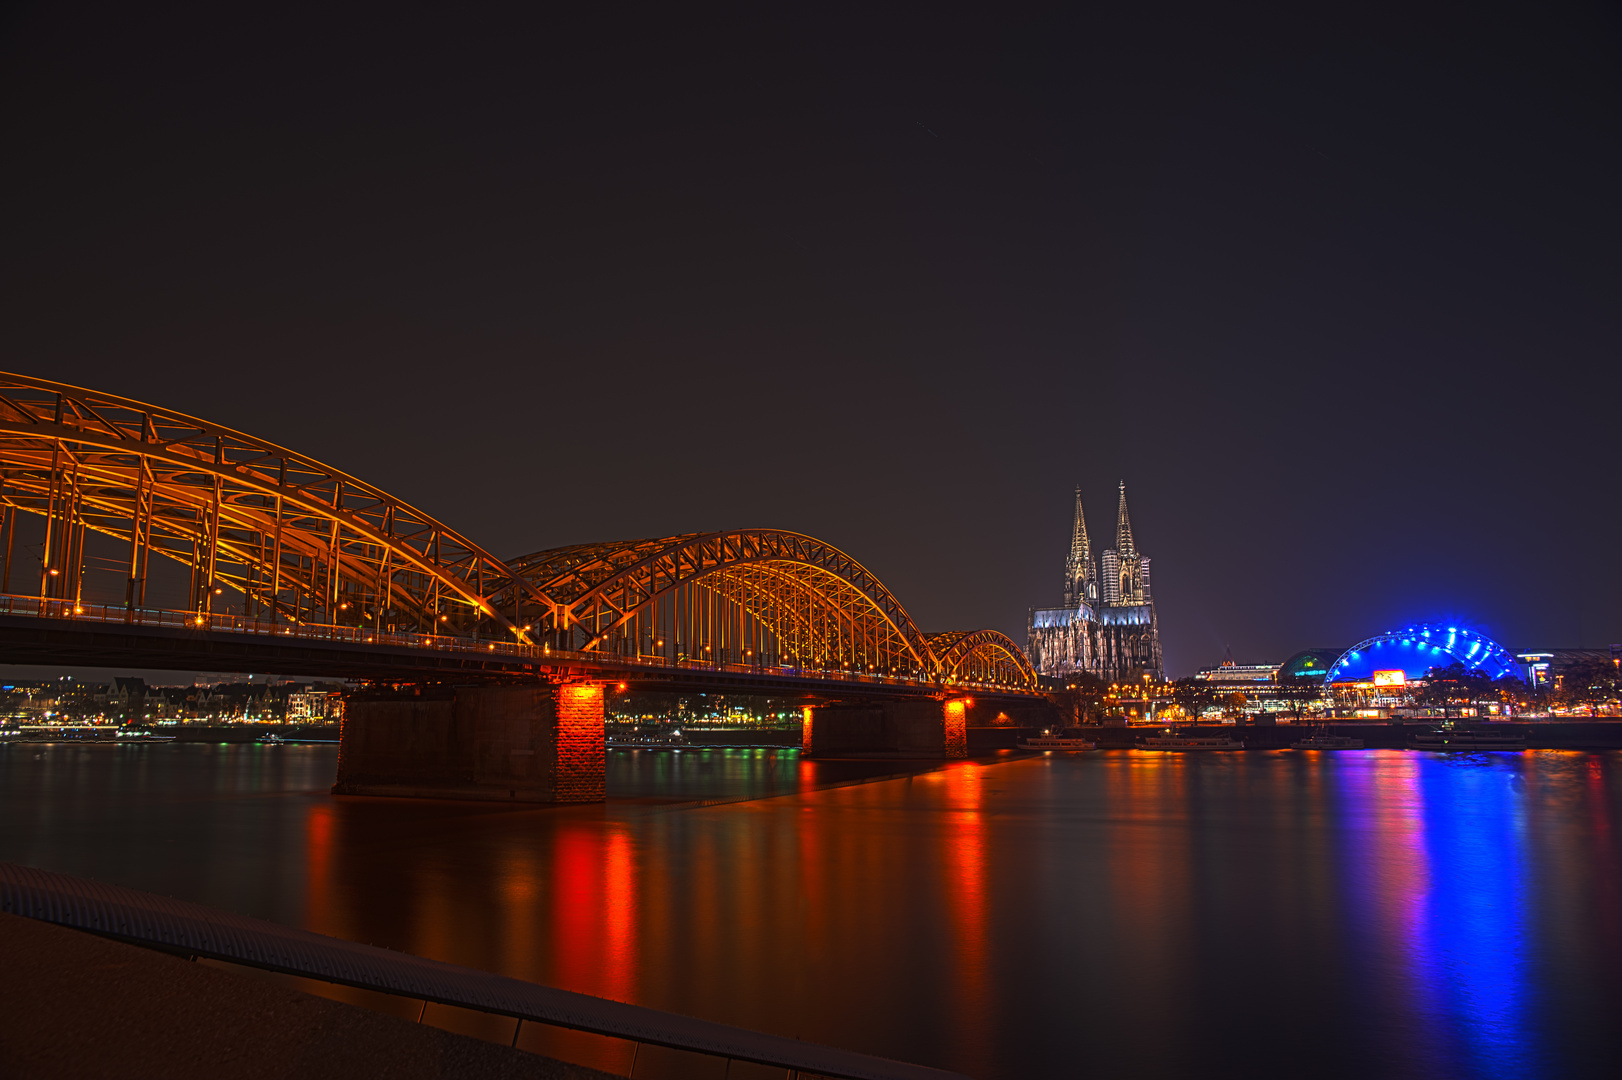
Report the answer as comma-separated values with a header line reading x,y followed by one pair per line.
x,y
1105,624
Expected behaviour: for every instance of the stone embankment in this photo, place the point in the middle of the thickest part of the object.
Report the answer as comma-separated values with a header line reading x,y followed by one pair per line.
x,y
1540,734
75,1005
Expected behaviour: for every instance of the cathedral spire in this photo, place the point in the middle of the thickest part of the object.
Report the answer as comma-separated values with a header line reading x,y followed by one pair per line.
x,y
1123,528
1078,568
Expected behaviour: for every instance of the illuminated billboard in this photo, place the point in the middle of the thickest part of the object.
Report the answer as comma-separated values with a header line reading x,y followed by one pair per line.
x,y
1397,677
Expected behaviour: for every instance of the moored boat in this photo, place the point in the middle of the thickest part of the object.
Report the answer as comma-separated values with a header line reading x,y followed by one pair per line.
x,y
1055,742
1171,740
1448,737
1324,740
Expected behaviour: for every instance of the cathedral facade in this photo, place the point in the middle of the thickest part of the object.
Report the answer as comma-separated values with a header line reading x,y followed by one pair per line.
x,y
1105,624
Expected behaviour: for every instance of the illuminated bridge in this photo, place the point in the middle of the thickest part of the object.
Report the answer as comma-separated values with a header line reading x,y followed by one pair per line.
x,y
133,535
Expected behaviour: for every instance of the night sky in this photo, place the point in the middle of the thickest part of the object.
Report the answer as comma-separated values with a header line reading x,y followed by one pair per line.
x,y
1336,289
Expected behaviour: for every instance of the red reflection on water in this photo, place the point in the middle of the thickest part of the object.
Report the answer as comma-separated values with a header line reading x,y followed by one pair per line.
x,y
619,879
320,913
576,909
808,834
965,850
594,908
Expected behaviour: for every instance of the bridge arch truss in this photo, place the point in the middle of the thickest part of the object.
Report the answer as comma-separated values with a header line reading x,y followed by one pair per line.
x,y
271,539
262,531
981,656
765,598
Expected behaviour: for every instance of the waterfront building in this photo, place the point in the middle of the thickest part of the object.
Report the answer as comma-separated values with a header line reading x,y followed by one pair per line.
x,y
1105,623
1542,668
1312,664
312,706
1229,675
1378,677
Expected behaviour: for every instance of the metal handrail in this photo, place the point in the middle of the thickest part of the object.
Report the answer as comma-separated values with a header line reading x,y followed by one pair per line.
x,y
177,926
189,620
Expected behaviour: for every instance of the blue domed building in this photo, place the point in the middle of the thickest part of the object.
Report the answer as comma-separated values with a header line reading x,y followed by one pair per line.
x,y
1373,676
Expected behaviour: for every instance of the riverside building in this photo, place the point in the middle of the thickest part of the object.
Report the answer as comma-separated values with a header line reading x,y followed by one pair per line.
x,y
1229,675
1105,624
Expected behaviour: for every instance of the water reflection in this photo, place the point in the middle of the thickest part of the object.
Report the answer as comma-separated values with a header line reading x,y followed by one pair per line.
x,y
1377,913
1474,922
966,883
319,914
1388,874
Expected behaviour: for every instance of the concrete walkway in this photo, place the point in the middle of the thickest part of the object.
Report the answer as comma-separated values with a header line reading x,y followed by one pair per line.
x,y
73,1005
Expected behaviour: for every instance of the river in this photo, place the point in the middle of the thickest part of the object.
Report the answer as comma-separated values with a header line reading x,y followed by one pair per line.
x,y
1114,914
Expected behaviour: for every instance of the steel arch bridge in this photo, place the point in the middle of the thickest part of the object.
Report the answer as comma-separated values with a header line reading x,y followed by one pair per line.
x,y
981,656
759,597
280,543
290,538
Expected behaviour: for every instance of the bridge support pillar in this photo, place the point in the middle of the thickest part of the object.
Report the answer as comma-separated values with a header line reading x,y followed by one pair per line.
x,y
915,729
539,743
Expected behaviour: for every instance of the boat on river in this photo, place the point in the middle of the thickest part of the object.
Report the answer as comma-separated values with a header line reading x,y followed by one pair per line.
x,y
1055,742
1324,740
1171,740
671,740
1449,737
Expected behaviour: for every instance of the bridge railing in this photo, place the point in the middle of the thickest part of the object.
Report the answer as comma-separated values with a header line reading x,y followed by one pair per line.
x,y
359,635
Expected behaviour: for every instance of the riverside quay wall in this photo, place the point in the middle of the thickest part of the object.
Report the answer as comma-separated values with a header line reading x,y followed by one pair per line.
x,y
1540,734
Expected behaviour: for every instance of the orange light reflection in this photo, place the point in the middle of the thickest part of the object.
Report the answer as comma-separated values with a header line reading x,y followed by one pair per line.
x,y
967,901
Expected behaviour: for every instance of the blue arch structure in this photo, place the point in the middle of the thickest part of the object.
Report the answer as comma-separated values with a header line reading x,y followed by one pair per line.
x,y
1416,649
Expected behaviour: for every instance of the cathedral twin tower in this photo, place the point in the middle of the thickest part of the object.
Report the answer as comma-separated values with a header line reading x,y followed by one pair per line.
x,y
1106,626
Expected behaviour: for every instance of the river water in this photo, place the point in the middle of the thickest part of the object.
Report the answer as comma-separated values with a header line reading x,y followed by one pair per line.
x,y
1114,914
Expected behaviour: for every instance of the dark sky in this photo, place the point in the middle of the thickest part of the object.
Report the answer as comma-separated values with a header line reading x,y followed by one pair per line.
x,y
1334,288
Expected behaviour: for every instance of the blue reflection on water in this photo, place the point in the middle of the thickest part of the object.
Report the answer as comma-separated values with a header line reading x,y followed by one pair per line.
x,y
1471,937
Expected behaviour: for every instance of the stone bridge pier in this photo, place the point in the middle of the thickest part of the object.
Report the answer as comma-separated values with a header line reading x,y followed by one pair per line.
x,y
929,728
539,743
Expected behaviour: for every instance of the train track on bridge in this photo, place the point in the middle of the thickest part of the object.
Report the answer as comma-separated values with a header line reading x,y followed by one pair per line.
x,y
48,632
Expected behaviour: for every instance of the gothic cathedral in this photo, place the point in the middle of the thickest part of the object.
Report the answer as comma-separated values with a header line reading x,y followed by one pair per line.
x,y
1106,625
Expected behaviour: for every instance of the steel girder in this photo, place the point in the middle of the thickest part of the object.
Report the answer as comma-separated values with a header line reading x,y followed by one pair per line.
x,y
981,655
802,599
296,539
602,587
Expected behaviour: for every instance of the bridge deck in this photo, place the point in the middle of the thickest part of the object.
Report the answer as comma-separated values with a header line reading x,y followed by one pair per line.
x,y
54,632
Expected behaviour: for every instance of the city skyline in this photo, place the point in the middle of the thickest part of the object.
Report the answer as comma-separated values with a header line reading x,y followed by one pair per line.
x,y
1301,322
622,535
1078,558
